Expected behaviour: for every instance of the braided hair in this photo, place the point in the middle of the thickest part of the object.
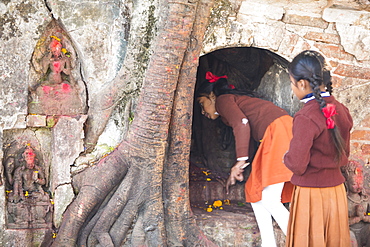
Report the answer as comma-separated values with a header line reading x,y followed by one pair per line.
x,y
310,66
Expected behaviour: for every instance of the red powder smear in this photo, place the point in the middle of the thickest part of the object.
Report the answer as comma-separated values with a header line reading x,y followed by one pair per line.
x,y
66,88
55,43
46,89
56,66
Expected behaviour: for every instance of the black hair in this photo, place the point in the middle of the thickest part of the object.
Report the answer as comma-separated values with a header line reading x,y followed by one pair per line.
x,y
219,87
310,66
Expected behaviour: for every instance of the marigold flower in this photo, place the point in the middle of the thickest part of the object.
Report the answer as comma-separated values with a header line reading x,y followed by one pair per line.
x,y
55,37
209,210
217,203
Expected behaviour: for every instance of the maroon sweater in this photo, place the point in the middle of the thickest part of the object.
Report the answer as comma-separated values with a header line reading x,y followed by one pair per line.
x,y
259,113
311,155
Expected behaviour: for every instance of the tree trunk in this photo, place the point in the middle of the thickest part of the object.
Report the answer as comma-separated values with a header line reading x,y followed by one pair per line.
x,y
181,226
121,199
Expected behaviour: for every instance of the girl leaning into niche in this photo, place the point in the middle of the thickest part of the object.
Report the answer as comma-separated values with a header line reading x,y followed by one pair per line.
x,y
318,149
250,117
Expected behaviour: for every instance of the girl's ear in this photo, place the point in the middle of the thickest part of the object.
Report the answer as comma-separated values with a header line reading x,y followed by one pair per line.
x,y
303,84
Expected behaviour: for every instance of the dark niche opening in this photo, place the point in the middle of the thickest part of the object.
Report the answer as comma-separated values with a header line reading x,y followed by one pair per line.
x,y
210,161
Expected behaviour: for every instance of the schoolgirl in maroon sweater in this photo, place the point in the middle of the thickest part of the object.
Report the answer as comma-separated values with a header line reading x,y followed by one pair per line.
x,y
268,185
319,147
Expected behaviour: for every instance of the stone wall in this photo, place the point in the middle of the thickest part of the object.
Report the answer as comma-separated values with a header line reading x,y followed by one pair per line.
x,y
340,30
94,35
98,32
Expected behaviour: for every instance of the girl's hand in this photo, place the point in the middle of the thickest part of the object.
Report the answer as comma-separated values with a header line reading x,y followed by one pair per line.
x,y
236,173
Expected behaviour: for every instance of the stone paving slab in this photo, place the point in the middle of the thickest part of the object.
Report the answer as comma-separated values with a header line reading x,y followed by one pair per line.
x,y
233,226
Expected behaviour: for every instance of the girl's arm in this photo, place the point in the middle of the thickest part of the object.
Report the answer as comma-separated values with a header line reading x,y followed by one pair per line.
x,y
235,118
298,156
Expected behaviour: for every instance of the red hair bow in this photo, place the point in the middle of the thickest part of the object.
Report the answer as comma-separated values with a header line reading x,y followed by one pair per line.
x,y
329,111
213,78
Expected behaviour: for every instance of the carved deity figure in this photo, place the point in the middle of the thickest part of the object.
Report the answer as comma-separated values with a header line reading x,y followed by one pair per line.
x,y
28,203
28,179
358,203
57,62
57,92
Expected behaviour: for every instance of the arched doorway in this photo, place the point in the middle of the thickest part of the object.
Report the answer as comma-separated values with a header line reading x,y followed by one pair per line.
x,y
212,150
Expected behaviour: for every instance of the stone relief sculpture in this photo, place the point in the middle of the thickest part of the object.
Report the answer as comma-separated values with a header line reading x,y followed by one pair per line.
x,y
54,90
28,205
358,203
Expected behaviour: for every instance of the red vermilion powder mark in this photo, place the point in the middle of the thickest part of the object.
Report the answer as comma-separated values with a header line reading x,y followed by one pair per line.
x,y
56,65
66,88
46,89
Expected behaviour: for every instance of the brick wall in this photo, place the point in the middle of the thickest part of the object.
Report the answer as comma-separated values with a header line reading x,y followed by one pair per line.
x,y
340,30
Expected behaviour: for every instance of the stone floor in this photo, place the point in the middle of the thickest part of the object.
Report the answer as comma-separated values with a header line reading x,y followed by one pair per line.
x,y
226,219
233,226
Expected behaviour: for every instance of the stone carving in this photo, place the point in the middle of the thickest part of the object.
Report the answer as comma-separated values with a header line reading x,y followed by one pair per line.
x,y
28,204
55,90
358,203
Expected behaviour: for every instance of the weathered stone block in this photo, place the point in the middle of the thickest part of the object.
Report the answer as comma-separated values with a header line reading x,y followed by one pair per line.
x,y
355,40
63,196
270,36
36,120
263,11
27,237
366,122
348,16
230,229
310,21
292,44
68,137
20,23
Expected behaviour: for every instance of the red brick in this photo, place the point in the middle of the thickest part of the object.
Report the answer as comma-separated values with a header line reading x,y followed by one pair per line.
x,y
332,63
365,149
352,71
360,135
355,146
334,51
323,37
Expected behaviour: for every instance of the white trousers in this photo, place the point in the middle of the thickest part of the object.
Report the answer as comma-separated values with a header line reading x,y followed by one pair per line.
x,y
270,205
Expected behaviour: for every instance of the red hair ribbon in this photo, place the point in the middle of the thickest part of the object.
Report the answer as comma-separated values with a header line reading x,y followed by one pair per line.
x,y
231,86
213,78
329,111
